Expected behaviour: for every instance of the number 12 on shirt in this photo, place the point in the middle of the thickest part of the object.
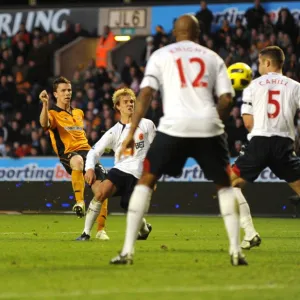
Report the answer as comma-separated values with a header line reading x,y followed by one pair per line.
x,y
197,81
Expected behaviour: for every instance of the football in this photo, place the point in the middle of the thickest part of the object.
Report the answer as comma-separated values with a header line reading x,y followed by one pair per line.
x,y
240,75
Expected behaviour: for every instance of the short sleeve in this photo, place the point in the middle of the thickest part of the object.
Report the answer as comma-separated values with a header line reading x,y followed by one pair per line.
x,y
222,84
297,95
247,107
51,120
152,77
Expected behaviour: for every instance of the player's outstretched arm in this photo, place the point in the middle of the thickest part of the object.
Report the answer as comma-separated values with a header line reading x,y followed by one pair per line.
x,y
94,155
44,117
142,106
224,106
98,149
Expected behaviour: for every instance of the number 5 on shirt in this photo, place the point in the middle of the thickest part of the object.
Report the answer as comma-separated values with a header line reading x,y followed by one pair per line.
x,y
197,81
273,101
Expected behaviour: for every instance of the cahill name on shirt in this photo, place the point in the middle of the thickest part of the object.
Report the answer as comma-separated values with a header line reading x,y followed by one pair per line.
x,y
273,81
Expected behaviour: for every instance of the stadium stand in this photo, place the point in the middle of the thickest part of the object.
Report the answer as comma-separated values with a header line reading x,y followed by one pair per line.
x,y
26,67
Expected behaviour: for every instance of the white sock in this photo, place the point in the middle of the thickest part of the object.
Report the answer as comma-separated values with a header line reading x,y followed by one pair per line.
x,y
91,215
229,211
245,215
138,206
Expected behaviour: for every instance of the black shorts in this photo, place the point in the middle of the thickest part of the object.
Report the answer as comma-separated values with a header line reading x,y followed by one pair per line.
x,y
124,183
168,154
274,152
100,172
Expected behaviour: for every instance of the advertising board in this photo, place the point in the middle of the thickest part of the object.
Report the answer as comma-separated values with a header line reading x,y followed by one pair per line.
x,y
49,20
164,15
34,169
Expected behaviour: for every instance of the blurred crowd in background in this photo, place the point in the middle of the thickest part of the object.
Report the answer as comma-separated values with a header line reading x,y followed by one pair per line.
x,y
26,68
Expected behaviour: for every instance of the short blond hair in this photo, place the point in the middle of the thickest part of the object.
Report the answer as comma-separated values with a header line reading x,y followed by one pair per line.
x,y
123,92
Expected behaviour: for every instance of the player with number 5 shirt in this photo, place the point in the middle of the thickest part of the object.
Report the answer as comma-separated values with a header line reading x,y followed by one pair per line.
x,y
269,105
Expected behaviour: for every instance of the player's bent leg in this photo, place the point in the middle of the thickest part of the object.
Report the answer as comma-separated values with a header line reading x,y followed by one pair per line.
x,y
238,182
144,231
146,228
101,220
252,237
138,205
234,174
102,216
215,166
229,212
295,186
101,174
76,164
102,190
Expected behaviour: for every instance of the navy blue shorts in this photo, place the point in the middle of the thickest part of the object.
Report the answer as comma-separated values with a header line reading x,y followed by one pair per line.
x,y
168,154
124,183
65,159
274,152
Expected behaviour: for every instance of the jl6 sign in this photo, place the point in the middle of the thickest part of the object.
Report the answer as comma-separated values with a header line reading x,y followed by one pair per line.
x,y
124,18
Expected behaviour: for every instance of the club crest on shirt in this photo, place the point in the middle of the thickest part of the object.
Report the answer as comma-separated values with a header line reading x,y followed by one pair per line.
x,y
141,136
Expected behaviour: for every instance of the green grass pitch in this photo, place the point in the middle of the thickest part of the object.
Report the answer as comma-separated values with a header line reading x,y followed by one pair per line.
x,y
183,258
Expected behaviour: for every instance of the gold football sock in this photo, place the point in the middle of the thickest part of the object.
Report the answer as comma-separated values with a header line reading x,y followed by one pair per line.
x,y
78,185
102,215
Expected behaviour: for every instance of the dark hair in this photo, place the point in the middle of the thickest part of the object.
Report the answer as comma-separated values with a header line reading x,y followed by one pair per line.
x,y
59,80
275,53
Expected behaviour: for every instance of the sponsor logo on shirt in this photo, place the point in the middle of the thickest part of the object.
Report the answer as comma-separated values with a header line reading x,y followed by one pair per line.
x,y
139,145
71,128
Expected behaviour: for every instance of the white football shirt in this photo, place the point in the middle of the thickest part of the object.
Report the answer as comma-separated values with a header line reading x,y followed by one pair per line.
x,y
272,99
114,138
188,75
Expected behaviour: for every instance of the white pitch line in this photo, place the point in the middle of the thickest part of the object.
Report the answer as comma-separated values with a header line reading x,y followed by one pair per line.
x,y
86,293
45,232
77,232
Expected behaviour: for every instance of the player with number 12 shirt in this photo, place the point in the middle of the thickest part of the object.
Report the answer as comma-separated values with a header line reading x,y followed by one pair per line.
x,y
269,105
189,76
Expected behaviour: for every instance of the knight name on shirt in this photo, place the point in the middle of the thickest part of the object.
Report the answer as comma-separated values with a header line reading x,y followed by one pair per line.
x,y
187,49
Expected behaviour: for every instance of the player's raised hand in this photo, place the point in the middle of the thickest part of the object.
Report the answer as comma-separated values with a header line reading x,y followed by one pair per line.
x,y
127,147
90,177
44,97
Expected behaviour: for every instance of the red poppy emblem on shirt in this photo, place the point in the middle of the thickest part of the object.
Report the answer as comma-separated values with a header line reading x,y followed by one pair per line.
x,y
141,136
